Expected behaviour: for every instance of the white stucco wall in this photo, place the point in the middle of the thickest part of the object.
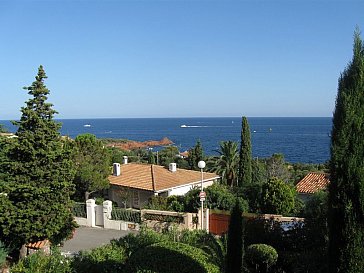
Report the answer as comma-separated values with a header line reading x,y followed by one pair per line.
x,y
184,189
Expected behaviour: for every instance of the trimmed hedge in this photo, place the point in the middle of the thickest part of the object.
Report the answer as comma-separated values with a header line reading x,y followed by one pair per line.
x,y
170,257
261,255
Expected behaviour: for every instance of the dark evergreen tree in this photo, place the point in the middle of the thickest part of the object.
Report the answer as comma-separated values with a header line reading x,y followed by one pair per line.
x,y
235,243
195,154
245,154
39,175
151,157
346,190
93,165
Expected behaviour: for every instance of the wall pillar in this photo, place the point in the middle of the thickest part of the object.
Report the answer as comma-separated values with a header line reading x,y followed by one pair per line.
x,y
107,208
90,210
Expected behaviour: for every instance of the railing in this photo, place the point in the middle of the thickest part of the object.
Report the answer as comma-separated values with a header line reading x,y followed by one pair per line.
x,y
79,210
126,215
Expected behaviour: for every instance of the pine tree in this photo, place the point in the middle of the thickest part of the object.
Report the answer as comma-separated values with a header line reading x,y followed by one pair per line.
x,y
40,172
93,163
235,243
245,155
346,190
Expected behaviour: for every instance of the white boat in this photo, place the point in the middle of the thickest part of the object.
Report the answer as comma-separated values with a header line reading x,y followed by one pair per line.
x,y
87,125
183,126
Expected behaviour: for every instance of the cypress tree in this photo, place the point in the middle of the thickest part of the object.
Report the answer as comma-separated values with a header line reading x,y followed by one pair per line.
x,y
245,154
346,190
235,243
40,174
195,154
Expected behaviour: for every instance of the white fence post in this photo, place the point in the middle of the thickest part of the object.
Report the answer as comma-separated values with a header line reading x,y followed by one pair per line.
x,y
107,208
90,210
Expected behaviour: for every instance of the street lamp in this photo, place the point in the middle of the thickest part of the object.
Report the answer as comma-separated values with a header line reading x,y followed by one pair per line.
x,y
201,164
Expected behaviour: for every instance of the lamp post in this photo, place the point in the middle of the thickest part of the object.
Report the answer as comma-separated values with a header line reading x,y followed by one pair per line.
x,y
202,165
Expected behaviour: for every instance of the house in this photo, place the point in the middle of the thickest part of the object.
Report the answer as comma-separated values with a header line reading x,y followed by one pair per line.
x,y
132,184
312,183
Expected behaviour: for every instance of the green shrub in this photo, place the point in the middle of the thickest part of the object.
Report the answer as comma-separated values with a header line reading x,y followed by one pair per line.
x,y
105,259
40,263
170,257
133,242
3,254
261,256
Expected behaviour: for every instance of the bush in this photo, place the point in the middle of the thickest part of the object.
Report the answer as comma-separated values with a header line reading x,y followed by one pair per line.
x,y
277,197
106,259
170,257
261,256
3,254
40,263
132,242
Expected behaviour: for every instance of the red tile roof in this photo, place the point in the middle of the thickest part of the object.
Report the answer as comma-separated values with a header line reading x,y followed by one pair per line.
x,y
38,245
313,182
156,178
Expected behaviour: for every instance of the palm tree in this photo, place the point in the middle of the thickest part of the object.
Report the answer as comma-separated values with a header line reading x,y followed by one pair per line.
x,y
228,162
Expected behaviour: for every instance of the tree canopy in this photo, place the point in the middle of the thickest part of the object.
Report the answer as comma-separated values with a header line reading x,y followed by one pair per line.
x,y
346,190
195,154
92,165
39,174
277,197
227,164
245,154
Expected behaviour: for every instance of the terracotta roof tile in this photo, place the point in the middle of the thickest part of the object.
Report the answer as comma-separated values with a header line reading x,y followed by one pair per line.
x,y
156,178
313,182
37,245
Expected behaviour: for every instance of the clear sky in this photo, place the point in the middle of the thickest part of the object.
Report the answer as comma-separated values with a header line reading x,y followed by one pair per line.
x,y
177,58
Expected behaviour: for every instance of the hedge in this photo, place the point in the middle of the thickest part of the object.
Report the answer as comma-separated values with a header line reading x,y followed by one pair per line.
x,y
170,257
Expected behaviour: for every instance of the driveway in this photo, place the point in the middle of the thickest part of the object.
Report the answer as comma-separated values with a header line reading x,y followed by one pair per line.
x,y
87,238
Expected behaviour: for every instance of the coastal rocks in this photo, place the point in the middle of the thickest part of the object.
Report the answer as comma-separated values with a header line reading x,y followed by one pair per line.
x,y
132,145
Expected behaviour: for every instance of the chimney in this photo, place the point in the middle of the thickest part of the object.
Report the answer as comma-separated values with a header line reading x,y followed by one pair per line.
x,y
172,167
125,159
116,169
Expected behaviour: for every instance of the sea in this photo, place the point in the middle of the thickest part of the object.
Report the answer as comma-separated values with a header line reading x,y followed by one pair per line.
x,y
304,140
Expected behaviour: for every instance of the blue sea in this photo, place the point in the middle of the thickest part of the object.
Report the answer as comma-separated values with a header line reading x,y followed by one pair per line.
x,y
305,140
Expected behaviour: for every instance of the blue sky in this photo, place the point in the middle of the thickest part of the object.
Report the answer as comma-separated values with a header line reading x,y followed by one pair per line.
x,y
177,58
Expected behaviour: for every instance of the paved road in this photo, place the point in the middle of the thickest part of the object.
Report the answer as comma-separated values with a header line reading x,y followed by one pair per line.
x,y
87,238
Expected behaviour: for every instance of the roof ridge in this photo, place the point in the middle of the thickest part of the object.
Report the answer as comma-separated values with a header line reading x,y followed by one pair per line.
x,y
153,181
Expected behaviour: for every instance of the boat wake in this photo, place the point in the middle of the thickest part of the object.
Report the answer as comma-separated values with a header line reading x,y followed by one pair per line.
x,y
200,126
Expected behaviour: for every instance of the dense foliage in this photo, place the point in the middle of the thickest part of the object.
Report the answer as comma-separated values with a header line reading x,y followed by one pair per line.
x,y
218,197
195,154
245,154
38,175
167,257
3,254
226,165
105,259
92,162
277,197
346,191
41,263
235,243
